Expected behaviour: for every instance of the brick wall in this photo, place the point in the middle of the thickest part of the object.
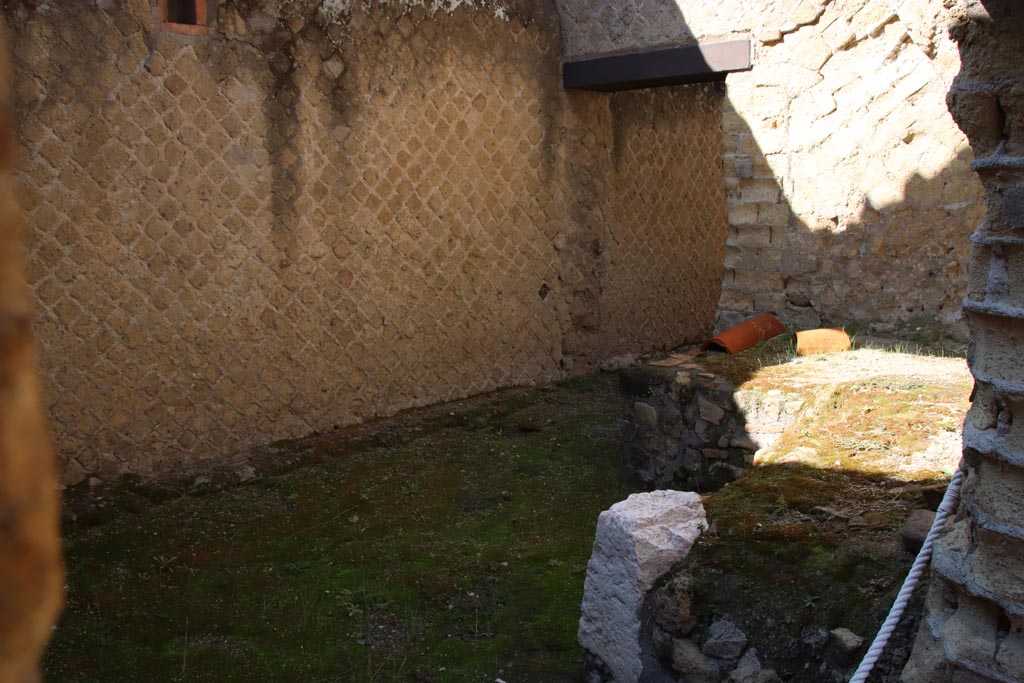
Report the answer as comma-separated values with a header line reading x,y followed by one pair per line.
x,y
309,217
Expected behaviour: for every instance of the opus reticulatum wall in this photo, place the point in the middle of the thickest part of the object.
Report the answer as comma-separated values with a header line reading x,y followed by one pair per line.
x,y
310,214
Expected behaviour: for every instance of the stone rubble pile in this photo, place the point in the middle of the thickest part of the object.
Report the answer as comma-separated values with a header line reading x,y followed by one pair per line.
x,y
720,655
721,652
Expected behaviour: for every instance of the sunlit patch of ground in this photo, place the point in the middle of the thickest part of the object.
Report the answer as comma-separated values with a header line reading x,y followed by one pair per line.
x,y
808,538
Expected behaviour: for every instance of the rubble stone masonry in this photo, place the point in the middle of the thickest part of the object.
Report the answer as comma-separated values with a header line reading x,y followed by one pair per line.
x,y
321,212
849,188
973,631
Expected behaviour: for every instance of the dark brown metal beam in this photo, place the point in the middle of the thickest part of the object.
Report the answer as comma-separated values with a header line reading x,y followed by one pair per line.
x,y
655,68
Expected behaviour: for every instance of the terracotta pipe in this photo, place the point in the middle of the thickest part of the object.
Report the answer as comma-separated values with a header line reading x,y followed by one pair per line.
x,y
747,333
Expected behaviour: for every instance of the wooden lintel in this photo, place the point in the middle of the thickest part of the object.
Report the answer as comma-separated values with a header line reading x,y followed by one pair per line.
x,y
654,68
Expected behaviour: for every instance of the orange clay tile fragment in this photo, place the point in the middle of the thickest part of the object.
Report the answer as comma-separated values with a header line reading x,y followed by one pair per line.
x,y
826,340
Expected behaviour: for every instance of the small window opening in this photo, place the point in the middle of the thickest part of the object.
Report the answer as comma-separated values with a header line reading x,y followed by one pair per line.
x,y
183,16
182,12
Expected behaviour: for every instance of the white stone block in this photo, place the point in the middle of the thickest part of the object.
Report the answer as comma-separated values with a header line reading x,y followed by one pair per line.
x,y
637,541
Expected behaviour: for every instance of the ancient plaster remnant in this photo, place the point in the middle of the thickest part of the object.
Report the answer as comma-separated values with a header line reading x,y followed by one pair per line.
x,y
349,207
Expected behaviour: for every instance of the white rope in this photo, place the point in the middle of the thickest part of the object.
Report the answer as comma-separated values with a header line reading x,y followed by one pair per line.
x,y
949,503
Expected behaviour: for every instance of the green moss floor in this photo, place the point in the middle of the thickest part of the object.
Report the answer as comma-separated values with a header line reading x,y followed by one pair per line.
x,y
457,555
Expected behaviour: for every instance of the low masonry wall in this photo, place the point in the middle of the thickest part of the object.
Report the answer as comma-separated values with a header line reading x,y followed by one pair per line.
x,y
682,428
686,428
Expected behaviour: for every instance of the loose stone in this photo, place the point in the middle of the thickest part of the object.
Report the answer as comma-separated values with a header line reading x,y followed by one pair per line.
x,y
710,412
725,640
848,641
645,414
694,665
915,529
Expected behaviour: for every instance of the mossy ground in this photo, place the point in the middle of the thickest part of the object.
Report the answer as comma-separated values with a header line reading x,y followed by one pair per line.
x,y
450,544
457,555
809,539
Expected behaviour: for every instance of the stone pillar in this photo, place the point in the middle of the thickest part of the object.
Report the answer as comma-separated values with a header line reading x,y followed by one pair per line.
x,y
974,624
30,568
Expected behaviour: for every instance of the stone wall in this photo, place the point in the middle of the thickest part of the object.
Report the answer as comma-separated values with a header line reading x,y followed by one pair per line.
x,y
973,631
681,428
646,224
686,428
31,572
321,212
849,188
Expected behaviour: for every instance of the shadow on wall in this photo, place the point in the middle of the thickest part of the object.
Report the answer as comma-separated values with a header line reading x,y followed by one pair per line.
x,y
884,261
850,193
849,189
648,236
892,256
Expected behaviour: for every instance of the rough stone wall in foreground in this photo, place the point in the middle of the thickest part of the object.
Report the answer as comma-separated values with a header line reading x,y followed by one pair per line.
x,y
306,219
849,188
31,574
974,627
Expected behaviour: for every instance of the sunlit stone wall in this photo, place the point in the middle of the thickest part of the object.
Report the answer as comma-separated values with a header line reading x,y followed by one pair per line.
x,y
849,188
